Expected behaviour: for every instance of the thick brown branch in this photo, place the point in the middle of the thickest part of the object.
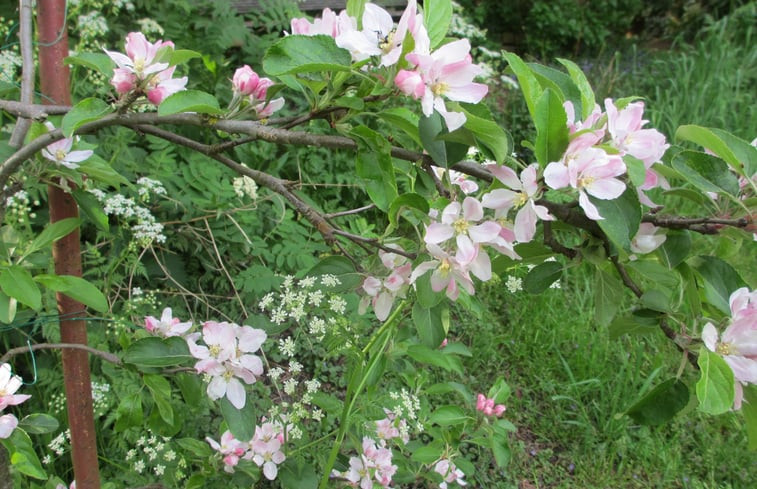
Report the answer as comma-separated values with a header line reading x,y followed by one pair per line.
x,y
107,356
703,225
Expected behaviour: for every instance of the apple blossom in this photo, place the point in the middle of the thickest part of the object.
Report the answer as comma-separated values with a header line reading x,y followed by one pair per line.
x,y
449,72
9,384
329,24
167,325
60,151
449,272
525,190
231,449
140,56
647,238
487,406
449,473
738,343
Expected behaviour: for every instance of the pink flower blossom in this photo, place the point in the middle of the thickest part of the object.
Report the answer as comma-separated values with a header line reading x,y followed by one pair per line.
x,y
449,472
522,197
60,151
124,80
449,272
591,172
459,221
647,238
449,72
140,56
167,325
8,423
9,384
162,85
487,406
382,293
245,80
738,343
231,449
329,24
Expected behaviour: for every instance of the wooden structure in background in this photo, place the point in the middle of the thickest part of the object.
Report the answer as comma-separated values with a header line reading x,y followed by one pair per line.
x,y
394,7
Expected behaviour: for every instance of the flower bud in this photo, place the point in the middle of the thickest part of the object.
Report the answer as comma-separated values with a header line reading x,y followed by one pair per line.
x,y
245,80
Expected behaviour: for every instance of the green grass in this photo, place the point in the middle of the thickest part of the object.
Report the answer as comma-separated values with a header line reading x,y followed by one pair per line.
x,y
571,385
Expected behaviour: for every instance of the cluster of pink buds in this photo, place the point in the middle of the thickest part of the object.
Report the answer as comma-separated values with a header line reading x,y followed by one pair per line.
x,y
449,473
381,293
167,325
227,357
373,466
264,449
9,384
250,91
738,343
486,406
144,69
587,167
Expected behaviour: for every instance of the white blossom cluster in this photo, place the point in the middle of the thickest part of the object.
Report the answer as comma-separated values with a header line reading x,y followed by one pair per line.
x,y
60,443
245,185
155,454
100,397
10,59
146,229
91,26
407,406
149,186
149,27
19,207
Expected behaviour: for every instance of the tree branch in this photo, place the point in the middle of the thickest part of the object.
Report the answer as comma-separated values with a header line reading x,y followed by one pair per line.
x,y
107,356
703,225
27,70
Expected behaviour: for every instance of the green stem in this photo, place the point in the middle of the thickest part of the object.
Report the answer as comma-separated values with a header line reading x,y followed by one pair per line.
x,y
314,442
343,421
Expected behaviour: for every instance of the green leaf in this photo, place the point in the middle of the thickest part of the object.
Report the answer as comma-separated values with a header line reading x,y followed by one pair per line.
x,y
76,288
428,324
53,232
424,354
749,409
295,474
530,86
551,128
428,454
429,128
92,208
661,404
583,85
190,101
637,172
489,133
640,322
305,54
406,201
100,170
23,458
720,280
437,15
558,82
542,276
501,451
656,300
241,421
158,352
715,389
88,110
129,412
425,294
38,424
739,154
179,56
191,387
197,447
161,394
8,307
675,249
499,391
404,119
608,295
94,61
706,172
374,166
621,217
448,416
342,268
355,8
17,282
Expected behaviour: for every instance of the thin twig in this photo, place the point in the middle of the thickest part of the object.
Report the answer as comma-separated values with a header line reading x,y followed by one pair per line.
x,y
223,267
350,212
375,243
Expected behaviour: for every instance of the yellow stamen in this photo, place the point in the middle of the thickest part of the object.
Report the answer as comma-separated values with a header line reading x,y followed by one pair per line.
x,y
460,226
60,155
585,181
439,88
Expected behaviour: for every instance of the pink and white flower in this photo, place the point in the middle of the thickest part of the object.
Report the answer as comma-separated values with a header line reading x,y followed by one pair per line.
x,y
449,272
60,151
382,293
162,85
738,343
522,197
329,24
9,384
167,325
647,239
231,449
447,72
487,406
140,57
266,449
449,472
591,172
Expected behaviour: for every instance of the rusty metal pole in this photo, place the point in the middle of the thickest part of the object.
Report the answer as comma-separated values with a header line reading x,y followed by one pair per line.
x,y
56,89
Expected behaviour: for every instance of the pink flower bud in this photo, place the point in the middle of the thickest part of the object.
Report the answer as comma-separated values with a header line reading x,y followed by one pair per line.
x,y
262,88
123,80
410,83
444,343
499,409
245,80
480,402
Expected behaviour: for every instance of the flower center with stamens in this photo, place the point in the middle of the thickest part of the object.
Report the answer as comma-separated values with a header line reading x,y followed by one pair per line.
x,y
387,43
520,200
60,155
585,181
439,88
214,350
725,349
444,267
460,226
139,65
